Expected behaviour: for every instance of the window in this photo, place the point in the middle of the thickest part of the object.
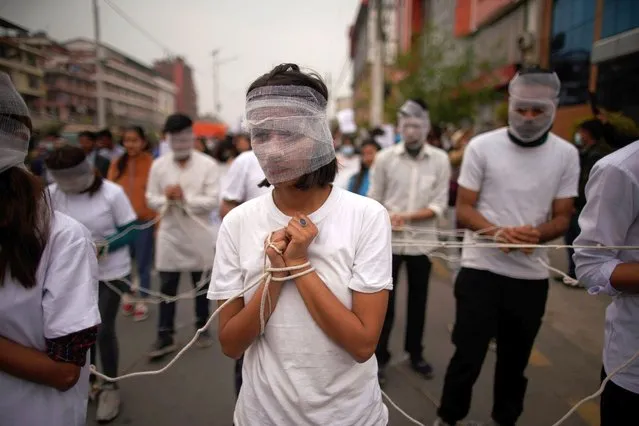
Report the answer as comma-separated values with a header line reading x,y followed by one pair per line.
x,y
34,82
570,46
619,16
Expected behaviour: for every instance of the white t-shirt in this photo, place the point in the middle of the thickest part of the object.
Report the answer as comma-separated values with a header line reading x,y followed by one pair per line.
x,y
242,179
516,186
64,301
347,167
294,374
101,213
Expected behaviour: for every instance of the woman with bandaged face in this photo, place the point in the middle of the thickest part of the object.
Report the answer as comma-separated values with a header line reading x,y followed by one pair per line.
x,y
517,185
309,337
183,186
411,180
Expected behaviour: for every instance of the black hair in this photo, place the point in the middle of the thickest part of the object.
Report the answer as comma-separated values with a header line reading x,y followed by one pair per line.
x,y
594,127
435,133
224,150
124,158
176,123
359,177
68,156
25,214
104,133
377,131
422,103
534,70
87,134
290,75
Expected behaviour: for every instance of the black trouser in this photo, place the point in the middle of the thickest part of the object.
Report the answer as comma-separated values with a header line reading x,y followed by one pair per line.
x,y
169,285
238,375
572,233
107,341
492,305
618,405
418,269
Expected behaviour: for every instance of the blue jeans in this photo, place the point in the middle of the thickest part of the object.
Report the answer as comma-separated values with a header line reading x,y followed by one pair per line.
x,y
142,252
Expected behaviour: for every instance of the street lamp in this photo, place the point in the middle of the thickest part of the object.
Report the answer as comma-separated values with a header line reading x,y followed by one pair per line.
x,y
216,78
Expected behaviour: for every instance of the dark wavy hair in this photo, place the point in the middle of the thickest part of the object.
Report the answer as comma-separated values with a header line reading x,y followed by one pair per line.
x,y
68,156
123,160
290,75
25,218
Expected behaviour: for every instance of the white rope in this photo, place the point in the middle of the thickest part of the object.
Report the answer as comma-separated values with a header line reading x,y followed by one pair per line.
x,y
267,277
264,277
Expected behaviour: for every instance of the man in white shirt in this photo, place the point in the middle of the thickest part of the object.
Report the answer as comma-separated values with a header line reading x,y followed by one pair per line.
x,y
517,186
243,182
108,148
183,184
411,180
611,218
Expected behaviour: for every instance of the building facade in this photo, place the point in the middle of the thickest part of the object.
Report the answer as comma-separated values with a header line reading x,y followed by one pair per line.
x,y
177,71
131,89
594,47
24,65
362,50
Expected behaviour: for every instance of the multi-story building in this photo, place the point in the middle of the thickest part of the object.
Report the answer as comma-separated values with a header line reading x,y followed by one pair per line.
x,y
362,50
166,98
180,73
70,87
131,89
24,65
594,47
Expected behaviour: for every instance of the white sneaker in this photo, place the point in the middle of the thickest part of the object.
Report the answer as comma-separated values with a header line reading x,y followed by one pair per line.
x,y
108,404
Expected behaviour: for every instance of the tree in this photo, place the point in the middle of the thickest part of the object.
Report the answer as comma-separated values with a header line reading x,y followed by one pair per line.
x,y
447,75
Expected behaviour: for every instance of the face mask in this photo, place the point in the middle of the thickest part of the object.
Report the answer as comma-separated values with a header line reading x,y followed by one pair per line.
x,y
530,129
578,141
347,150
76,185
182,143
413,131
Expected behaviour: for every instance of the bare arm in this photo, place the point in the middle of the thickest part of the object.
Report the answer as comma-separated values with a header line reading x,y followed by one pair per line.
x,y
35,366
469,216
239,324
562,211
356,330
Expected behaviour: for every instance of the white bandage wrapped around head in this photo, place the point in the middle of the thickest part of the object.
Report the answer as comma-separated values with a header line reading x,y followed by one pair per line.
x,y
413,122
532,104
182,143
76,179
14,131
289,130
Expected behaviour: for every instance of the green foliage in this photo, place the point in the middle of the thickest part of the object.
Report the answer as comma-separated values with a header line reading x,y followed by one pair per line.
x,y
439,70
622,124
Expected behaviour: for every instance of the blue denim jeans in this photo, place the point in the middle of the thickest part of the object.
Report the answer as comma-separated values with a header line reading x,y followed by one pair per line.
x,y
142,252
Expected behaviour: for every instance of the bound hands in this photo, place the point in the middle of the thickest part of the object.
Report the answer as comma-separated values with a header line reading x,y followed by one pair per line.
x,y
526,234
174,192
292,243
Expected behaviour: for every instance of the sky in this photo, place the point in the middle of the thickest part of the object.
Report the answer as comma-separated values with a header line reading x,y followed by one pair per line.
x,y
252,36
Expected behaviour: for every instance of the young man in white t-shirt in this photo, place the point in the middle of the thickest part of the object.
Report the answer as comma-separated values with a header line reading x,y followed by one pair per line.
x,y
518,185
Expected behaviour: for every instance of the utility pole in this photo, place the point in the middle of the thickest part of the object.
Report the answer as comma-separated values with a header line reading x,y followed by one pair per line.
x,y
99,71
216,83
377,74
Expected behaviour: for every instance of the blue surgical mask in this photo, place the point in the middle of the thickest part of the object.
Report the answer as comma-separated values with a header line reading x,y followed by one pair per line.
x,y
347,150
577,139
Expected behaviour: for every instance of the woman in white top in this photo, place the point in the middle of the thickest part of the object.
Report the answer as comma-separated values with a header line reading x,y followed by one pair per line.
x,y
104,208
48,290
309,359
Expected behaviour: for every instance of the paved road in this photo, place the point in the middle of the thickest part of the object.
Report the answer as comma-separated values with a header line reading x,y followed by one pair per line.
x,y
564,367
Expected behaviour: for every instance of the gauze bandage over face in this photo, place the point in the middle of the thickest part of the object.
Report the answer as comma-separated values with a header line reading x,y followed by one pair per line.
x,y
289,130
14,131
76,179
532,105
182,143
413,123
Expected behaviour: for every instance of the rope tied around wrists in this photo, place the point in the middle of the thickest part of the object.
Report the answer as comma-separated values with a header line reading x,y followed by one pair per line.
x,y
267,277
